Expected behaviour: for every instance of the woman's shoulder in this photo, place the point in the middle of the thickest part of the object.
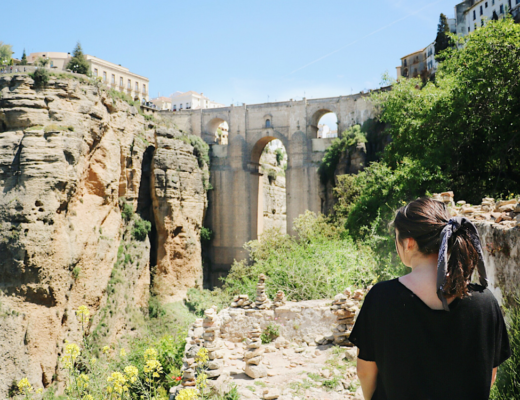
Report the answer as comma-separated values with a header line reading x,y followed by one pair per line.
x,y
384,289
481,295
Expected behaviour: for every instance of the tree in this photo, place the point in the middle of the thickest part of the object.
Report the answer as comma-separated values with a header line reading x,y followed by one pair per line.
x,y
24,58
442,41
78,63
466,123
6,52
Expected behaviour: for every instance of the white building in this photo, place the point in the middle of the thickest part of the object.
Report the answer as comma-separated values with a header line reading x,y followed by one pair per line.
x,y
473,14
162,103
192,100
324,132
431,63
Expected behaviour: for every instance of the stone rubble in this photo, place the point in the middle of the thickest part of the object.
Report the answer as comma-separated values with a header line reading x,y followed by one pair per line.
x,y
345,307
212,342
505,213
279,300
254,354
242,301
262,302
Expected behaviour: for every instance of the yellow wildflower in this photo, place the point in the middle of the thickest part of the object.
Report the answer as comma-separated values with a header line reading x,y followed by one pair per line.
x,y
118,380
24,386
106,349
39,390
153,366
71,353
82,381
202,356
131,373
93,360
83,314
150,354
187,394
201,380
88,397
122,353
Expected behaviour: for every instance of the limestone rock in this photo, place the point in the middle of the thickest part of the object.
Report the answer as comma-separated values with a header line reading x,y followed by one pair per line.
x,y
256,371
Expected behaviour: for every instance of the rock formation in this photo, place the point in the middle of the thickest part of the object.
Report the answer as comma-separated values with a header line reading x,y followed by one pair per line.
x,y
212,343
242,301
344,307
262,302
68,153
279,300
254,354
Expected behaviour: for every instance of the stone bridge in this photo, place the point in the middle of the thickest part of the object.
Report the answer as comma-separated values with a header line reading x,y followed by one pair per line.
x,y
235,213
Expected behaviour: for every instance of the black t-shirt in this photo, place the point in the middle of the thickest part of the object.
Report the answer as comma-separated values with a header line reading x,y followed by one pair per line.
x,y
425,354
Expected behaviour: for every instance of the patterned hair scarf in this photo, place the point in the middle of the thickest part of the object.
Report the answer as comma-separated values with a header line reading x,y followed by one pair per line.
x,y
453,225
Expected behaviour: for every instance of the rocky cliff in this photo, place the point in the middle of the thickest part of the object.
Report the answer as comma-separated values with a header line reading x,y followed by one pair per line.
x,y
71,157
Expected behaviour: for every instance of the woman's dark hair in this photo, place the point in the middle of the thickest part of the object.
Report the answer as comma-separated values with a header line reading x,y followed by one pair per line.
x,y
423,220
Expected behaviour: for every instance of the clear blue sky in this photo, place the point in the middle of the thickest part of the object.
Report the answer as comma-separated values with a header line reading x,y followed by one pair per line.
x,y
244,51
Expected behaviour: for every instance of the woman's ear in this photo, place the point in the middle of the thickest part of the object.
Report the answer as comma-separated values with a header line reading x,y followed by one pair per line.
x,y
411,244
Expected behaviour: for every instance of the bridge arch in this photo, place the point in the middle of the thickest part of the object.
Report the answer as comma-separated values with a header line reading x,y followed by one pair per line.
x,y
318,115
212,127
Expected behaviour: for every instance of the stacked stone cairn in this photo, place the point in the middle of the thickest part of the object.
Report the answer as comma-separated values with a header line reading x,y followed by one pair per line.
x,y
279,300
254,354
188,374
505,213
345,307
242,301
262,302
212,342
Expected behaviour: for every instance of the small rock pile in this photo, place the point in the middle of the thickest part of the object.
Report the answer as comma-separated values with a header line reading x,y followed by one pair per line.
x,y
505,213
188,373
242,301
279,300
344,307
212,342
195,334
254,354
262,302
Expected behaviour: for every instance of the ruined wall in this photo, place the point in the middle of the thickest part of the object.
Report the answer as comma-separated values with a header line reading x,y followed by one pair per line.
x,y
68,154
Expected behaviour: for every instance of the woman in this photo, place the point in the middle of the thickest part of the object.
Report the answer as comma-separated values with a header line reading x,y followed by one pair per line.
x,y
431,334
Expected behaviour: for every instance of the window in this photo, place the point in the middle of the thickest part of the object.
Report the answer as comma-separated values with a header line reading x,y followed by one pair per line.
x,y
474,15
104,76
129,84
517,1
52,64
469,29
180,106
481,10
144,88
481,22
492,2
121,81
404,62
113,81
95,72
267,123
486,4
137,86
501,8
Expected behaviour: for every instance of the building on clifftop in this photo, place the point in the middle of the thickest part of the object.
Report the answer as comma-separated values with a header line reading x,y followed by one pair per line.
x,y
192,100
113,75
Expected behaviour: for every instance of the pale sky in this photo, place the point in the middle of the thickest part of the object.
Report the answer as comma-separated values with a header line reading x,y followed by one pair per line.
x,y
235,51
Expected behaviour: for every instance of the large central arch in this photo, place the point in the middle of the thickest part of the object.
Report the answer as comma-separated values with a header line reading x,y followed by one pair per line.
x,y
233,212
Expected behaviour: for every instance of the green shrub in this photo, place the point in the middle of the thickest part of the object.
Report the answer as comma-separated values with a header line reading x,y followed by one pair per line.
x,y
347,140
76,272
320,262
507,385
270,333
199,300
206,234
279,155
41,77
141,229
127,212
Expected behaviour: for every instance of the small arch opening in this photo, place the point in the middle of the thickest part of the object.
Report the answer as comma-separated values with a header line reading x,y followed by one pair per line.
x,y
218,130
325,124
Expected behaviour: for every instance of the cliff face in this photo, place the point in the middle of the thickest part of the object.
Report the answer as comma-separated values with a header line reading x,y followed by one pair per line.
x,y
68,153
274,192
179,204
